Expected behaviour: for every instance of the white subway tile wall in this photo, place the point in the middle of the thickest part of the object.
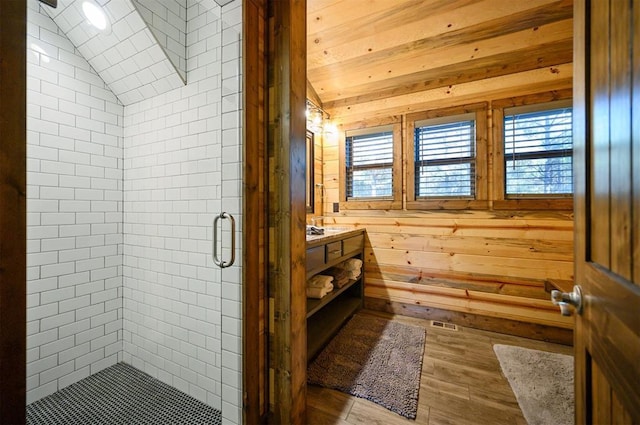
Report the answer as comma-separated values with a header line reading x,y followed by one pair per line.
x,y
121,204
75,213
167,20
173,293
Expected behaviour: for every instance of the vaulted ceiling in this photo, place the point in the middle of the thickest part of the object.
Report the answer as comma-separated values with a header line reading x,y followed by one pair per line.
x,y
366,50
142,52
126,54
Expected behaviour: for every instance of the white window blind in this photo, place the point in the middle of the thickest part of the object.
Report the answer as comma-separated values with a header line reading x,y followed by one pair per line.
x,y
538,150
369,163
444,157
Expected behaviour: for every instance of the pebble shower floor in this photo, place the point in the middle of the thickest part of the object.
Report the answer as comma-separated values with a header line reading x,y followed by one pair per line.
x,y
121,394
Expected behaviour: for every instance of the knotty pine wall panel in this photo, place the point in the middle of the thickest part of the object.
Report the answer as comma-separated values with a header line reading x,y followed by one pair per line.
x,y
467,262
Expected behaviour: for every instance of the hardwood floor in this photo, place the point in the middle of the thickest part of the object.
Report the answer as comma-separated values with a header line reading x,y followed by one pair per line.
x,y
461,383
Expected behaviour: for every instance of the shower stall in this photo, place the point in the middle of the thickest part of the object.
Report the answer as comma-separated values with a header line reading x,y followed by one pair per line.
x,y
134,151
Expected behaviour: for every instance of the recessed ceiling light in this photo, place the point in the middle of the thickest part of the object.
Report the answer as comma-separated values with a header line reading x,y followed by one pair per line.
x,y
95,15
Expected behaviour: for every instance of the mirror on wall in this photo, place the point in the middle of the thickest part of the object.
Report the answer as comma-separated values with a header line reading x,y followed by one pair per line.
x,y
310,173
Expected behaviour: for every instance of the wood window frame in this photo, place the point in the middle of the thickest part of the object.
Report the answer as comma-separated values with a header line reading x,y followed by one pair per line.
x,y
481,198
500,200
393,202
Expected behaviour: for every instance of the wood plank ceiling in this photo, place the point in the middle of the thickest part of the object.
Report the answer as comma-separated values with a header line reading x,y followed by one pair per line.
x,y
368,50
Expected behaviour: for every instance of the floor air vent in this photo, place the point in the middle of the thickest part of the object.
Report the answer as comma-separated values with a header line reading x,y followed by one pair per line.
x,y
444,325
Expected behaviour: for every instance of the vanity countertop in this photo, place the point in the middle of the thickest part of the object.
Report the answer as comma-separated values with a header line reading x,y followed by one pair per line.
x,y
331,234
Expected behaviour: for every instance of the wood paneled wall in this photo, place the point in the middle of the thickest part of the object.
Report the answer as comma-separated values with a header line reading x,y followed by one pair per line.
x,y
254,267
286,246
488,263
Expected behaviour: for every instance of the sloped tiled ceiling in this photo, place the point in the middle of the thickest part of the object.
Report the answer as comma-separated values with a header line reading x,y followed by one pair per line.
x,y
127,56
167,20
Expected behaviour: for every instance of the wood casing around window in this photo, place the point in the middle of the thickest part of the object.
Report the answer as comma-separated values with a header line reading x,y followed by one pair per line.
x,y
480,199
500,201
390,203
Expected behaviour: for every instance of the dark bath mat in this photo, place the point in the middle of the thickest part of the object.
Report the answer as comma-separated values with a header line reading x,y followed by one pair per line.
x,y
376,359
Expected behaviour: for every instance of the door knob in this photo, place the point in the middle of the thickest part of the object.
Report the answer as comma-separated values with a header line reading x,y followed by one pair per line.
x,y
566,299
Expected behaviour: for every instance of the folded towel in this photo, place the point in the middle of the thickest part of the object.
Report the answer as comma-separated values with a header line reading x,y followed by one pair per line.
x,y
337,273
320,281
355,274
327,286
352,264
317,292
340,276
340,283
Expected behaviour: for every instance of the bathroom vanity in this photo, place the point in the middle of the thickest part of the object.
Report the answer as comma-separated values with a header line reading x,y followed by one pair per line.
x,y
326,316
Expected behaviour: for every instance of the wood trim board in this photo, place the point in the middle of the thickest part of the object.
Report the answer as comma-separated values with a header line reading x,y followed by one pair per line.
x,y
13,321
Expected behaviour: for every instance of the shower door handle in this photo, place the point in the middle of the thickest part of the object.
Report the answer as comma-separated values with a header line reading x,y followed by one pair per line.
x,y
222,263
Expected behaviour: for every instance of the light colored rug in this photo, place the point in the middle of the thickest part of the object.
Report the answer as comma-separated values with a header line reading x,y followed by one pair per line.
x,y
542,383
376,359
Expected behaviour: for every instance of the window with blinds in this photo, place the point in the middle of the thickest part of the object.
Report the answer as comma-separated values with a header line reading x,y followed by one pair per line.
x,y
369,163
538,150
445,157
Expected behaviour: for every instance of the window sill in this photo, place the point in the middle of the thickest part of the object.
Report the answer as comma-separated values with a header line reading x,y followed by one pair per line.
x,y
447,204
534,204
371,204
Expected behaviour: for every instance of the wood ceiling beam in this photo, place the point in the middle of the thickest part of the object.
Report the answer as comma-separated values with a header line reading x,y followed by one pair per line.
x,y
530,58
529,82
